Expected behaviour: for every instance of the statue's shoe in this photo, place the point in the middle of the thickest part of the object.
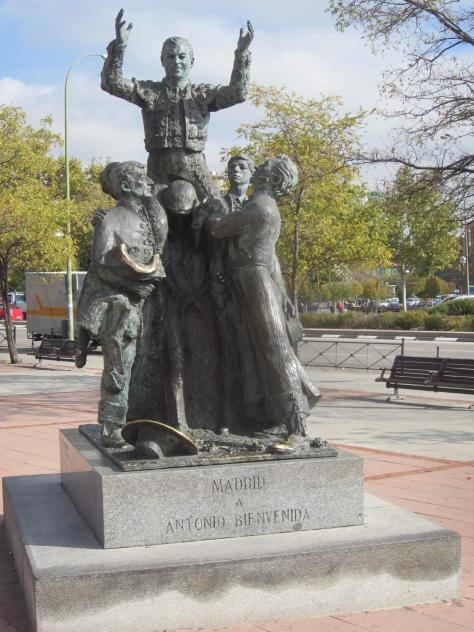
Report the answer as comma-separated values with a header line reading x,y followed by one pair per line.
x,y
274,433
112,435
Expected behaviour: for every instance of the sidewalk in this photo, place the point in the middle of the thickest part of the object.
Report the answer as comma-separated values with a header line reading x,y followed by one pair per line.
x,y
418,454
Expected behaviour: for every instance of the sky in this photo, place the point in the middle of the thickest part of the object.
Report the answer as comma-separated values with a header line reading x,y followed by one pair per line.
x,y
296,46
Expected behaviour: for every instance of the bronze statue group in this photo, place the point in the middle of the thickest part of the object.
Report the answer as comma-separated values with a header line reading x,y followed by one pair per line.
x,y
184,290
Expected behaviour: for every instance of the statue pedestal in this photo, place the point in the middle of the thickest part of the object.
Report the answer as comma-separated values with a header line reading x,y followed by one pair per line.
x,y
231,500
72,583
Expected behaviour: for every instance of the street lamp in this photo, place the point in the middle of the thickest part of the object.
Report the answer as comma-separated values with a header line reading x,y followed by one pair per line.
x,y
70,304
404,275
466,246
464,261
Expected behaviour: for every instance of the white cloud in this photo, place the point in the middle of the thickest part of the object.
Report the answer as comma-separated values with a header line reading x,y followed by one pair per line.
x,y
16,92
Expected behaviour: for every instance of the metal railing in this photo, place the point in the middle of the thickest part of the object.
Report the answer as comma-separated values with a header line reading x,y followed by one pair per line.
x,y
3,335
349,354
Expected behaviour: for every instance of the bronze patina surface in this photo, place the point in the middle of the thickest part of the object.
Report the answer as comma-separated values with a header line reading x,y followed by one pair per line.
x,y
213,450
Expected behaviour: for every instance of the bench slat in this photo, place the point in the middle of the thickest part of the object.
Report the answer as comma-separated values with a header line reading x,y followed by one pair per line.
x,y
435,374
57,349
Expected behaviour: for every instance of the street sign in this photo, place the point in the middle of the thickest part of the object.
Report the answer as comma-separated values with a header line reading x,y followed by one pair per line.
x,y
471,289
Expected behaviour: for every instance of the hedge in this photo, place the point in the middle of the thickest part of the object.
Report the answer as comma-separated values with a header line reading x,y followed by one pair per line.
x,y
435,320
461,307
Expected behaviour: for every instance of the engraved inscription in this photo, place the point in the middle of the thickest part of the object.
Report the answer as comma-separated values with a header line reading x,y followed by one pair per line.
x,y
275,516
239,484
195,523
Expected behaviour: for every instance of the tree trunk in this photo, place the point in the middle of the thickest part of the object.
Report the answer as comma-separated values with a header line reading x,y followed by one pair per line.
x,y
8,321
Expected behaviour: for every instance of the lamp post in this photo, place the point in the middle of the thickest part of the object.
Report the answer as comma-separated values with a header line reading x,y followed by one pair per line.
x,y
69,293
466,246
464,261
404,274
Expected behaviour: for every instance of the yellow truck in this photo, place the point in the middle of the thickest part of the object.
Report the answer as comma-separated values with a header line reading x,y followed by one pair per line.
x,y
47,304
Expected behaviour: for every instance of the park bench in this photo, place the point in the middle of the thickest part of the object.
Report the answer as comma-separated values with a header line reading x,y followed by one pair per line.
x,y
446,375
56,349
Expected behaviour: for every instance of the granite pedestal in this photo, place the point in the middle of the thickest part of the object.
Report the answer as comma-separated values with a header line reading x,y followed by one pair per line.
x,y
181,504
73,584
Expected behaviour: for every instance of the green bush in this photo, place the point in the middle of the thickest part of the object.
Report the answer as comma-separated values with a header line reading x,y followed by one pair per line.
x,y
410,320
460,308
439,309
325,320
436,322
385,320
459,323
353,320
432,321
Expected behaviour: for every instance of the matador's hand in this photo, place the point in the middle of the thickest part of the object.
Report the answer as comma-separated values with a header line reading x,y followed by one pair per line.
x,y
245,40
122,33
144,290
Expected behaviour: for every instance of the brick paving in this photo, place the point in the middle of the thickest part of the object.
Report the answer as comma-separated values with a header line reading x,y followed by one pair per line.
x,y
439,489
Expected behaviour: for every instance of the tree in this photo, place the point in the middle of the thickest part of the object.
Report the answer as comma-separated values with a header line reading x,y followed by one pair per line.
x,y
422,233
325,224
28,216
434,286
375,289
86,197
32,204
415,285
340,290
435,84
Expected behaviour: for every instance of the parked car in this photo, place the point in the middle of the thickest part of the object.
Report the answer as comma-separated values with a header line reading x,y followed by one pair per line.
x,y
317,306
443,297
15,313
459,297
17,299
413,301
390,304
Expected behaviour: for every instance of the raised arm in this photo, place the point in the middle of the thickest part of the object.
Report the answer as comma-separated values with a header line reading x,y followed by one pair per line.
x,y
236,91
112,80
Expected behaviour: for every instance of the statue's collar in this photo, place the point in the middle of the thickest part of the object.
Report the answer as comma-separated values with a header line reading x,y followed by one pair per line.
x,y
183,91
237,201
135,206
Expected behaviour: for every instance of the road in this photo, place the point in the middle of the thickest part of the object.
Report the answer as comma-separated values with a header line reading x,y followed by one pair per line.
x,y
446,349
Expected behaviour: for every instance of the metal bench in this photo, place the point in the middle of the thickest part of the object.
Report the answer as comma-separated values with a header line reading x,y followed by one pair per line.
x,y
447,375
56,349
